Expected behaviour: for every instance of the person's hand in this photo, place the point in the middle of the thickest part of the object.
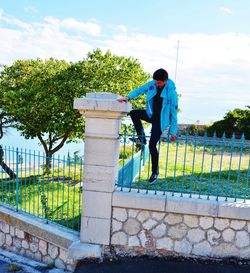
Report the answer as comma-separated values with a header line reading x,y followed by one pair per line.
x,y
124,100
173,137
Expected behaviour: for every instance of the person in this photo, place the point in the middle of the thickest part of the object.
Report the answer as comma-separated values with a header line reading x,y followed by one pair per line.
x,y
161,111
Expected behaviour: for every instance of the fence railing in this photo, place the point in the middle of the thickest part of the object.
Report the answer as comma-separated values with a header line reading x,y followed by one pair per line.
x,y
51,191
192,165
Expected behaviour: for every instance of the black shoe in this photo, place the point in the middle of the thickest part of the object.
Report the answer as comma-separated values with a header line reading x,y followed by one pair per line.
x,y
138,141
153,178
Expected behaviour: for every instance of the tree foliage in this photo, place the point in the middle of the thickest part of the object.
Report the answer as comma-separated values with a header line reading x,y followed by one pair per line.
x,y
236,121
37,95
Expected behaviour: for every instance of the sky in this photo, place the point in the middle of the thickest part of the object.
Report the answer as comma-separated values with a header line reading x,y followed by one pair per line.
x,y
204,45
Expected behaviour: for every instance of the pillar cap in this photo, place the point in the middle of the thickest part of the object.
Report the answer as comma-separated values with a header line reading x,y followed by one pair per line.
x,y
102,102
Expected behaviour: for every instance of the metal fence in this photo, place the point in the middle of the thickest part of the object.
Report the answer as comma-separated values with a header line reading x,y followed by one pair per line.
x,y
48,189
193,165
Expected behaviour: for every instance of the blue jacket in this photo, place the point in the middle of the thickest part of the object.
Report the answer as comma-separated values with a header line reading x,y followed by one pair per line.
x,y
169,104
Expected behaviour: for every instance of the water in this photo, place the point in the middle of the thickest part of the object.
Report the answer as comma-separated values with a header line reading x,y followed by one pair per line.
x,y
12,138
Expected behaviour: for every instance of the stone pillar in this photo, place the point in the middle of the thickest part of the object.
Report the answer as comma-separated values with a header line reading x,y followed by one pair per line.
x,y
103,115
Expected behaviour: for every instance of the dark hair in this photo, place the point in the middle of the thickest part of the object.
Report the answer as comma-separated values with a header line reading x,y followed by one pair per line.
x,y
160,75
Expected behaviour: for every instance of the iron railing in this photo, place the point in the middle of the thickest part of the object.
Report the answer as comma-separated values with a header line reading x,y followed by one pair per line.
x,y
192,165
48,189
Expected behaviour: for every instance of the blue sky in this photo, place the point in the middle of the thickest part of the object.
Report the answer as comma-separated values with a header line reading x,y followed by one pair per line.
x,y
213,67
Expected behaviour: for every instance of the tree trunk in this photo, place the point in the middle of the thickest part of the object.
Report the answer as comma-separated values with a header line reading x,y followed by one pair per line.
x,y
11,174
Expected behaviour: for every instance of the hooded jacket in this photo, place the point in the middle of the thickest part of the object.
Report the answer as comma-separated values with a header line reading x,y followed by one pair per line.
x,y
169,104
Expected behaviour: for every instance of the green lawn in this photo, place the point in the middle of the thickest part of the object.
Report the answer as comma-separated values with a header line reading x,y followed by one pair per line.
x,y
202,170
57,198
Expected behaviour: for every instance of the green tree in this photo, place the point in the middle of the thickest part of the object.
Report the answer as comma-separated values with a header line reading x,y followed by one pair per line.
x,y
38,95
236,121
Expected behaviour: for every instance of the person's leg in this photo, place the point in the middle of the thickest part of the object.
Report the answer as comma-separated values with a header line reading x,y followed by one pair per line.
x,y
137,116
155,136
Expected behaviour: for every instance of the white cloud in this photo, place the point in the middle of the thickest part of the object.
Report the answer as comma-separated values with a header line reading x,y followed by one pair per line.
x,y
225,10
213,70
119,28
30,9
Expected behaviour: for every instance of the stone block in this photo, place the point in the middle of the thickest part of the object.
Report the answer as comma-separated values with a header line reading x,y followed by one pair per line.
x,y
177,232
19,233
8,240
242,239
228,235
191,221
43,247
4,227
221,224
196,235
79,250
213,236
202,249
133,241
225,250
234,210
105,126
165,243
132,213
132,226
2,238
136,200
53,251
237,225
183,247
116,226
100,178
95,230
97,204
101,152
143,216
206,222
149,224
120,214
173,219
119,238
184,205
159,231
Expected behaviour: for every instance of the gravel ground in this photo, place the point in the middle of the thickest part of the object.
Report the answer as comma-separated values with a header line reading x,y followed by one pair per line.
x,y
149,265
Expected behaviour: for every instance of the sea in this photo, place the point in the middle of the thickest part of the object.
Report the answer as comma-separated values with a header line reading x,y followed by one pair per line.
x,y
13,139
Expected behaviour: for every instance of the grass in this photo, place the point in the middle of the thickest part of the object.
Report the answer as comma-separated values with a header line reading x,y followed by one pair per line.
x,y
202,170
14,268
57,198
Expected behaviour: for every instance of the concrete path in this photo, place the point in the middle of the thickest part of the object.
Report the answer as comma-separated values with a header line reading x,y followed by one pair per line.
x,y
10,262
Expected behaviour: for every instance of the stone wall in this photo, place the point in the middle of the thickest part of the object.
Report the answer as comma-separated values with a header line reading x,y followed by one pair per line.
x,y
32,238
147,223
18,241
149,231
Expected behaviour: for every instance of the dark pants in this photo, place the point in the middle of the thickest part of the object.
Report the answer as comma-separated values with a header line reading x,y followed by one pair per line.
x,y
137,116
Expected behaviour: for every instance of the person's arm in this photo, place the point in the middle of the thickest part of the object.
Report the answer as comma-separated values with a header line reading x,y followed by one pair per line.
x,y
173,116
135,93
